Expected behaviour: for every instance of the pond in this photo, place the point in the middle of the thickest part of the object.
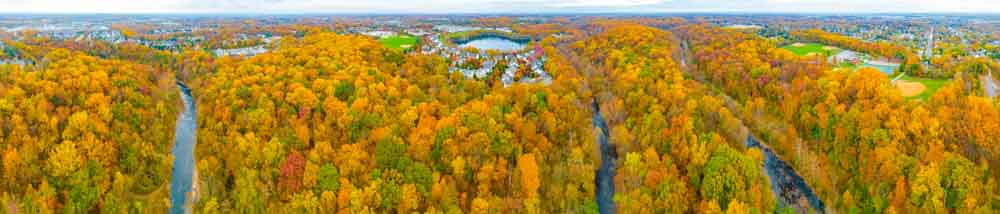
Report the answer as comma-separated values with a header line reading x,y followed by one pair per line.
x,y
887,69
493,43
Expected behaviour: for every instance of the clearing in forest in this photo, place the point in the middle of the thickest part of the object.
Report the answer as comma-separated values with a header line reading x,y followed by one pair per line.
x,y
399,42
919,88
810,49
910,89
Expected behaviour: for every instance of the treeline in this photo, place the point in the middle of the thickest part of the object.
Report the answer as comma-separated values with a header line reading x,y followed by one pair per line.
x,y
466,36
967,65
32,49
335,123
219,33
851,134
330,123
909,62
83,134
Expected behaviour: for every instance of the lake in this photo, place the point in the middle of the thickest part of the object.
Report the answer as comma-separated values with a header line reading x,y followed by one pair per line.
x,y
494,43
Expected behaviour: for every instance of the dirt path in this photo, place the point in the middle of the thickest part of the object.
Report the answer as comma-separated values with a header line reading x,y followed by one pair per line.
x,y
910,89
12,207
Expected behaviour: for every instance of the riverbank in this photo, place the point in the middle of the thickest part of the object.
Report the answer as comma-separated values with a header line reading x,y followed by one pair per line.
x,y
465,37
182,184
786,184
605,177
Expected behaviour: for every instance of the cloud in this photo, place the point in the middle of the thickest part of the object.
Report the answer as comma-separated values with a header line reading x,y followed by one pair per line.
x,y
506,6
88,6
826,6
597,3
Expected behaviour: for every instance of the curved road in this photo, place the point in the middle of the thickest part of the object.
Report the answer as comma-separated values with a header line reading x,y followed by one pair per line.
x,y
184,141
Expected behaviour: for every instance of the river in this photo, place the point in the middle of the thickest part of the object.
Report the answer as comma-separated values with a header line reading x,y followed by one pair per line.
x,y
786,184
183,151
605,178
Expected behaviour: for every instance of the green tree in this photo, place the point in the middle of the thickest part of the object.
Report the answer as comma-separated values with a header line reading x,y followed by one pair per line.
x,y
728,174
420,175
328,178
83,193
390,194
391,155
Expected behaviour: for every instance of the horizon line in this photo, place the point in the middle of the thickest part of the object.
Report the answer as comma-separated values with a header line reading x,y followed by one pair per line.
x,y
314,13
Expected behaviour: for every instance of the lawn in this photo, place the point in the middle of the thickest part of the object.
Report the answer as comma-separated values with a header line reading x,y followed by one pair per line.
x,y
803,49
460,34
399,42
931,85
847,66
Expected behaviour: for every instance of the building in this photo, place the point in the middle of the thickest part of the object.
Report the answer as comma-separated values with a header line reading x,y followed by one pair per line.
x,y
846,56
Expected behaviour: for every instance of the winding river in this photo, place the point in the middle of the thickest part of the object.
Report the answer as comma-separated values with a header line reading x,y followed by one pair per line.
x,y
786,184
183,151
605,178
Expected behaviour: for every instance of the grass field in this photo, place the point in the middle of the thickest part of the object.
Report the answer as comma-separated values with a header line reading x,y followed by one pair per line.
x,y
930,85
452,35
399,42
803,49
847,66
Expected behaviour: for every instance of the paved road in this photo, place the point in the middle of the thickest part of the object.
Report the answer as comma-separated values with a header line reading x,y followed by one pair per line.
x,y
989,85
930,44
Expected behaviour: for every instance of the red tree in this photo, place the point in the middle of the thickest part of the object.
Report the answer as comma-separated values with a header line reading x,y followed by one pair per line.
x,y
291,172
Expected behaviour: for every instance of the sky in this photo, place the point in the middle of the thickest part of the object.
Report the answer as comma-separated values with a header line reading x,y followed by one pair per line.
x,y
496,6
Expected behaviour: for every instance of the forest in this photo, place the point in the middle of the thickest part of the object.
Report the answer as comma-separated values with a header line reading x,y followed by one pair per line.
x,y
333,122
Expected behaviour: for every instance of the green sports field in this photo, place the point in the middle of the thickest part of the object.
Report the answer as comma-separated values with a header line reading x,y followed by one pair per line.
x,y
399,42
803,49
931,85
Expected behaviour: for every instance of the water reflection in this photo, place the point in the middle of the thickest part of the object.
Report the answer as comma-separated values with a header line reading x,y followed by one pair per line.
x,y
494,43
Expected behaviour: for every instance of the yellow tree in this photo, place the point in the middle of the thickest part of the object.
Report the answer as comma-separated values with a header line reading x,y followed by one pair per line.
x,y
530,182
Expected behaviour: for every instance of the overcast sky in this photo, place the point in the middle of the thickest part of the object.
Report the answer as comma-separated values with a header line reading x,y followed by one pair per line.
x,y
491,6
